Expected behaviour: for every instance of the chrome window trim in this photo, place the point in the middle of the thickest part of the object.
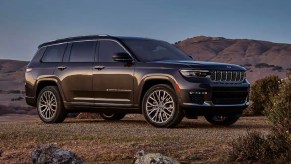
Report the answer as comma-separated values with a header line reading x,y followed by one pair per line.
x,y
88,40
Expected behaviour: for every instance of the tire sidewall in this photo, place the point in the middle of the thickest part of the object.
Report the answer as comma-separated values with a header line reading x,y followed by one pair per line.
x,y
59,110
169,122
107,115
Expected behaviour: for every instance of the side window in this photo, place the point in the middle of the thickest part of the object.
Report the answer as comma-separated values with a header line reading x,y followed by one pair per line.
x,y
54,53
107,49
83,51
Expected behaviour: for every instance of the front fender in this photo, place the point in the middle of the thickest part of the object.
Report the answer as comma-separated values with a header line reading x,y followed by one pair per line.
x,y
158,77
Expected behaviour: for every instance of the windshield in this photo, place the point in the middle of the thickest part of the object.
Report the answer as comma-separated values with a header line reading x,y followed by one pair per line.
x,y
147,50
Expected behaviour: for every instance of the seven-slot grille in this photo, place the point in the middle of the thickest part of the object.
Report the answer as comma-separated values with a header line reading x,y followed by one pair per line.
x,y
228,76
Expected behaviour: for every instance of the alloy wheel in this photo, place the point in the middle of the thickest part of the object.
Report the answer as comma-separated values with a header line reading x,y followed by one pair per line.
x,y
48,105
160,106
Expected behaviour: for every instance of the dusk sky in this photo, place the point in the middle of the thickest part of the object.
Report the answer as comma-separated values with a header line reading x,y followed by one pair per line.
x,y
24,24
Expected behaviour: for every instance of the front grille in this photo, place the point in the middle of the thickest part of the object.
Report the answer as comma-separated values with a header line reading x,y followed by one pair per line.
x,y
228,76
229,95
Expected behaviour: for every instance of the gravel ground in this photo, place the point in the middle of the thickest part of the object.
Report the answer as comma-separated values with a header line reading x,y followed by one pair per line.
x,y
99,141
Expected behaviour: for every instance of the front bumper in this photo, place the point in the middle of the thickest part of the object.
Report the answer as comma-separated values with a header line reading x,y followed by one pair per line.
x,y
207,108
209,98
209,104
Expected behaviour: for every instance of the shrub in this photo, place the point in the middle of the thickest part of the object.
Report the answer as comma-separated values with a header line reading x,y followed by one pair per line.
x,y
275,147
277,68
278,110
261,92
255,147
247,148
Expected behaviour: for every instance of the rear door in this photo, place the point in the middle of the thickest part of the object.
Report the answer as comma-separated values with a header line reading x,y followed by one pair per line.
x,y
76,72
112,81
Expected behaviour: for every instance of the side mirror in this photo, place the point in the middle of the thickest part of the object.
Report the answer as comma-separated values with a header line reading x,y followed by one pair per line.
x,y
190,56
122,57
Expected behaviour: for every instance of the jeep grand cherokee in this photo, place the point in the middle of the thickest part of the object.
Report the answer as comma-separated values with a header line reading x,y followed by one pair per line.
x,y
115,76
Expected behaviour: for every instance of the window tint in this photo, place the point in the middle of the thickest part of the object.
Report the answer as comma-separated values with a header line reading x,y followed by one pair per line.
x,y
107,49
153,50
83,52
54,53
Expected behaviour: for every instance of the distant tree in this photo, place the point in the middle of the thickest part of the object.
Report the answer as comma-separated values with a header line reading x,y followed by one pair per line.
x,y
263,65
14,91
17,99
277,68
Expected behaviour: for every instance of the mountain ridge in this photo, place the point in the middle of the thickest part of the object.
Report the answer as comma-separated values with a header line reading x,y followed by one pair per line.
x,y
261,58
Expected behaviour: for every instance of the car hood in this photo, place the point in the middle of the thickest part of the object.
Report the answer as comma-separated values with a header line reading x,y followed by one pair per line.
x,y
202,65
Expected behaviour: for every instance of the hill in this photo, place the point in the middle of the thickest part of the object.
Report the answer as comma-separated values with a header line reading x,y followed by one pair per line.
x,y
12,74
12,87
261,58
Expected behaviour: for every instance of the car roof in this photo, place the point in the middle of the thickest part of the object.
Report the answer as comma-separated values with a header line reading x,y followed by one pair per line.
x,y
89,37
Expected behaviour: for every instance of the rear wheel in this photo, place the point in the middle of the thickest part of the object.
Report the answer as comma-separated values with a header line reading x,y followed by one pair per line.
x,y
160,106
50,106
112,116
222,120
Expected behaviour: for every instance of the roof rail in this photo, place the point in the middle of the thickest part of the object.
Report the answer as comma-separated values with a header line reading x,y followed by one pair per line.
x,y
72,38
103,35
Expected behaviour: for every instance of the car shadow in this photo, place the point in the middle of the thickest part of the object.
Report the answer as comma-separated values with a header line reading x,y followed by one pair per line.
x,y
206,125
131,121
188,124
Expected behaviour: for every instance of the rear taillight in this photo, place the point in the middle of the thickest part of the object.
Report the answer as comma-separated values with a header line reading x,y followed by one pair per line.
x,y
28,69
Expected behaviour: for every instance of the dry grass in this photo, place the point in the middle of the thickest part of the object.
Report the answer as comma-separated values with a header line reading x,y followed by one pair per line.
x,y
117,142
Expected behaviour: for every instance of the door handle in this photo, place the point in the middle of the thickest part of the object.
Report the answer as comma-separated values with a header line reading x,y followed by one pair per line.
x,y
99,67
62,68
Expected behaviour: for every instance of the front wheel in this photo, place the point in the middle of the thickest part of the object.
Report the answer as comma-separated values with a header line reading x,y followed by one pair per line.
x,y
222,120
160,106
112,116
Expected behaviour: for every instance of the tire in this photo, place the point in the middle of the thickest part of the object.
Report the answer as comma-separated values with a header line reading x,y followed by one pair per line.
x,y
50,105
160,107
222,120
112,116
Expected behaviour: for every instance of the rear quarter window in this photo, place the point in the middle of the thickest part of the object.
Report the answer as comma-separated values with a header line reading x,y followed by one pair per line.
x,y
54,53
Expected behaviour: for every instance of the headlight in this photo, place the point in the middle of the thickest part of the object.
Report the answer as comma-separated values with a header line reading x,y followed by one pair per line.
x,y
193,73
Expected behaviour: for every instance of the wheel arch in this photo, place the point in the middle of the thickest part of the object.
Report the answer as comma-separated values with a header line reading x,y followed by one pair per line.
x,y
150,81
41,83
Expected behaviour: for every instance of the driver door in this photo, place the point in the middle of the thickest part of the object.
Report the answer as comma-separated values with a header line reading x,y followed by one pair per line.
x,y
112,80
